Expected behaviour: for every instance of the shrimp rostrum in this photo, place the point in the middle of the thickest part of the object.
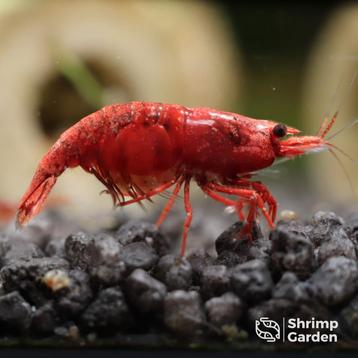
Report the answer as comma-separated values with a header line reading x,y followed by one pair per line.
x,y
140,149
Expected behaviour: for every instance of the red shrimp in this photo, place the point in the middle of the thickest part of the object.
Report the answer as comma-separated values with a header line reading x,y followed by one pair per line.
x,y
140,149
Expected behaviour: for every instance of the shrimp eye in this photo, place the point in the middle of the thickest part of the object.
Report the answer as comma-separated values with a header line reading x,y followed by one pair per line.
x,y
280,130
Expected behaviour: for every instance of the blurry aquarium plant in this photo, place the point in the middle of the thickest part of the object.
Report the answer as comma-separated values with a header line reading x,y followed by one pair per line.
x,y
77,89
82,78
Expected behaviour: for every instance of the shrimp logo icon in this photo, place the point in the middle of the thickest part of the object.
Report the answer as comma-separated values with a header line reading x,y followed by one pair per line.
x,y
267,329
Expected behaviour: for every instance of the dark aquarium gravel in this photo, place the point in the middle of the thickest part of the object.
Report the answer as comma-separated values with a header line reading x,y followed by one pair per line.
x,y
125,286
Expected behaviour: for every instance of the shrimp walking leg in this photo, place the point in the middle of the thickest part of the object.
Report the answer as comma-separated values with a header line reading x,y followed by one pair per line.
x,y
267,198
189,215
247,229
248,195
251,195
228,202
170,202
263,192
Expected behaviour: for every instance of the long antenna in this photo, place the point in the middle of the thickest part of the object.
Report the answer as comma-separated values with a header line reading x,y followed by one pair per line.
x,y
347,126
344,170
327,124
331,103
342,152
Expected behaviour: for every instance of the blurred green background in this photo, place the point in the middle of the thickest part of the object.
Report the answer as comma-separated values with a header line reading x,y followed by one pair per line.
x,y
276,40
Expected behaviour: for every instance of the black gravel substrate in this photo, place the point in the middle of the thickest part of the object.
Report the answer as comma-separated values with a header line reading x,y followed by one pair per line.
x,y
123,287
